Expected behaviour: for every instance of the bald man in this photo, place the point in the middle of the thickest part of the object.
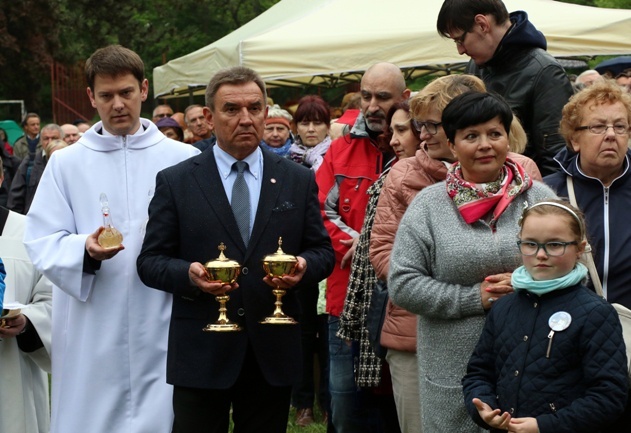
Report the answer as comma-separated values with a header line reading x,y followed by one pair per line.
x,y
71,133
351,165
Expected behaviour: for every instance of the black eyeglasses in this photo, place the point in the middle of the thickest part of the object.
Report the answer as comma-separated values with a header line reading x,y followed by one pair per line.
x,y
601,128
552,249
161,115
460,39
430,127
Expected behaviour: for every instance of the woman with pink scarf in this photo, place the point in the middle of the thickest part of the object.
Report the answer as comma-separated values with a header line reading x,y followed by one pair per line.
x,y
455,251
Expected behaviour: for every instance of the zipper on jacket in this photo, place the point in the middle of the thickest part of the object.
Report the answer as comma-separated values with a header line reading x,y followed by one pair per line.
x,y
607,243
553,407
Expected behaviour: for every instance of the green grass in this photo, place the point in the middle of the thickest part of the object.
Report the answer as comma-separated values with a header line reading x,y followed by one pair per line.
x,y
316,427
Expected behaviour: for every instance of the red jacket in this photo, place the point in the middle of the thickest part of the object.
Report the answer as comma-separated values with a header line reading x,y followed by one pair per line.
x,y
350,167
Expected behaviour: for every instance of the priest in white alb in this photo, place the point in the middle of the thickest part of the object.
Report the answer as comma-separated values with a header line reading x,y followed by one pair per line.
x,y
109,330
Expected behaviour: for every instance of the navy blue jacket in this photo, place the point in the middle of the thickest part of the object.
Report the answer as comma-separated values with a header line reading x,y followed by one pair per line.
x,y
607,213
581,387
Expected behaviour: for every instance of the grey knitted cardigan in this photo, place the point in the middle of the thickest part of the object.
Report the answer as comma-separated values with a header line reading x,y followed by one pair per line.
x,y
437,265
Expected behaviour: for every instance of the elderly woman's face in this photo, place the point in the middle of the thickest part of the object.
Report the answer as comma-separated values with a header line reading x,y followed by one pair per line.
x,y
275,134
602,155
481,150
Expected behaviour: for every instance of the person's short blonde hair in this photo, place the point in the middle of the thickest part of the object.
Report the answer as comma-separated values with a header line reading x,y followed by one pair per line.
x,y
55,145
605,91
439,93
517,138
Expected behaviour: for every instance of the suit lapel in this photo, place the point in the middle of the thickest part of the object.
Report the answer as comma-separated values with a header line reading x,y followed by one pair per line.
x,y
206,174
273,179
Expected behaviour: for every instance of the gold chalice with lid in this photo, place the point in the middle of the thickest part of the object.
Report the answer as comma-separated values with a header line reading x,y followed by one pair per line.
x,y
226,271
278,265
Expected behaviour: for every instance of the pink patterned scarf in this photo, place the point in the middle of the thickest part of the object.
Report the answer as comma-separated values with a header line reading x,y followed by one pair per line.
x,y
474,201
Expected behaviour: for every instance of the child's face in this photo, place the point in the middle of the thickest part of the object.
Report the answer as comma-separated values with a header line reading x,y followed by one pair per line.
x,y
549,228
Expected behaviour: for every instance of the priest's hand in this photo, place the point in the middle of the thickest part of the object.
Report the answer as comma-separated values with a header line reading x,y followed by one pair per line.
x,y
199,277
96,251
14,326
288,281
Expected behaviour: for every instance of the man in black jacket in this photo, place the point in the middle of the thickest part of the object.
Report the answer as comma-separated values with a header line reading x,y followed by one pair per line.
x,y
509,54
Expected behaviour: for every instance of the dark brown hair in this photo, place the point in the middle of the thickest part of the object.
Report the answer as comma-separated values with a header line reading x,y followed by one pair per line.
x,y
113,61
460,14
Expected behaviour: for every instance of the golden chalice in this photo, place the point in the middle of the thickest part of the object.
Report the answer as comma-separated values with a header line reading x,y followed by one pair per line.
x,y
278,265
226,271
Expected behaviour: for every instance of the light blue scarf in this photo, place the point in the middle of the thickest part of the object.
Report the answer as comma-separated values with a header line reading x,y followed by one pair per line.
x,y
522,280
280,151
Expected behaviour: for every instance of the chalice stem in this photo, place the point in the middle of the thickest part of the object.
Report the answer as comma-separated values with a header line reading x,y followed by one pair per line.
x,y
278,311
223,318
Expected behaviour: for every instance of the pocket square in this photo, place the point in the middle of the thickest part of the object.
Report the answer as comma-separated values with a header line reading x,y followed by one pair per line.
x,y
284,206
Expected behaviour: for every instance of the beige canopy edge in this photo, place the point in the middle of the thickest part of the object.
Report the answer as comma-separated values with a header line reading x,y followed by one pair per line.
x,y
331,42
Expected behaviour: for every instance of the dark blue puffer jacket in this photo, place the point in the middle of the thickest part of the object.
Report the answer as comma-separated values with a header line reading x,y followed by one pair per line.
x,y
607,211
581,387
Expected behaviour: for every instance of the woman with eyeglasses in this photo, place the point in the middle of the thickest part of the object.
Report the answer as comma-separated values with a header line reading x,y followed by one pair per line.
x,y
595,163
454,251
595,124
428,166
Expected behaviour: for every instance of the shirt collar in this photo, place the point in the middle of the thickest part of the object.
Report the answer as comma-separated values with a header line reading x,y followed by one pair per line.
x,y
225,162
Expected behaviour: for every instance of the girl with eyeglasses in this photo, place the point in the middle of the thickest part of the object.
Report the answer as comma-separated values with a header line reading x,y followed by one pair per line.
x,y
551,355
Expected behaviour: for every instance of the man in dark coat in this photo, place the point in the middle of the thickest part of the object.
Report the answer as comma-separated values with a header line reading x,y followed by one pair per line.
x,y
509,54
190,215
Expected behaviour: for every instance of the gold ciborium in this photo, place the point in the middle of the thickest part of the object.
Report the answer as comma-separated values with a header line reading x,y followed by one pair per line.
x,y
226,271
276,266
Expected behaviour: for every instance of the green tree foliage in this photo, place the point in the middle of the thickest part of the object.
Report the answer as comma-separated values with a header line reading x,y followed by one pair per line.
x,y
28,43
34,33
613,4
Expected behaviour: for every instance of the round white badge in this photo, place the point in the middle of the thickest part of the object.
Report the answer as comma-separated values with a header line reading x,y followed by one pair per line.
x,y
559,321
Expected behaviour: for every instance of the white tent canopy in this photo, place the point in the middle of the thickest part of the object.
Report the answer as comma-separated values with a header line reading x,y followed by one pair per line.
x,y
313,41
